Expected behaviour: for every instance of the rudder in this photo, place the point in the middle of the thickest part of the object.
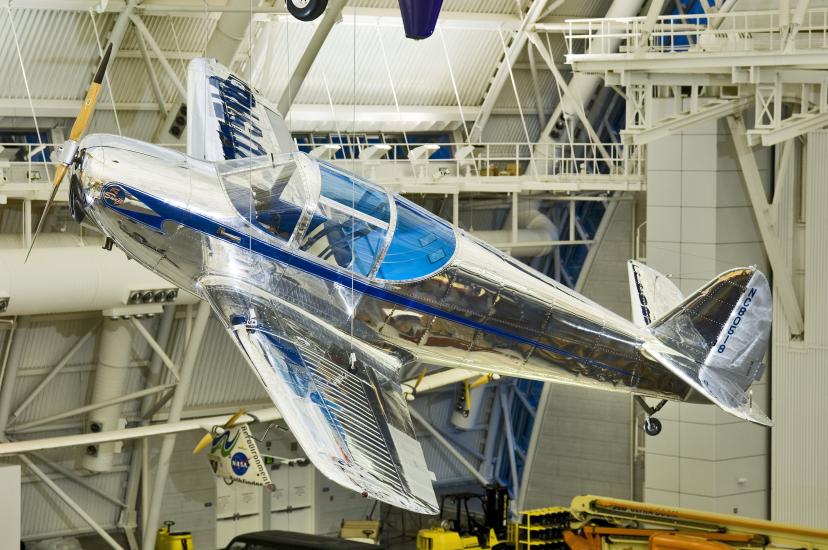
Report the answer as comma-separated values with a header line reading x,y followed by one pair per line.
x,y
724,325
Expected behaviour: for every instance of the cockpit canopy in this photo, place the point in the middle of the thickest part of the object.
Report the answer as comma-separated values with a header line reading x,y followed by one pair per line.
x,y
337,217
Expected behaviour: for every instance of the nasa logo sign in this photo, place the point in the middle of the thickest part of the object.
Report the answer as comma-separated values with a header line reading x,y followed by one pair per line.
x,y
239,463
114,196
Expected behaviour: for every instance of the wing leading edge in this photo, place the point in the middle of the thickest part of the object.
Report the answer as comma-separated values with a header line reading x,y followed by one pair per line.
x,y
353,423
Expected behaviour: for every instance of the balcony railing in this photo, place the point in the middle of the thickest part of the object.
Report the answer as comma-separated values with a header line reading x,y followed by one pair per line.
x,y
738,31
485,161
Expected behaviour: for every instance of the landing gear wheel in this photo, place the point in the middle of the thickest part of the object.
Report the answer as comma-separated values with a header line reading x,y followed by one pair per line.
x,y
652,426
306,10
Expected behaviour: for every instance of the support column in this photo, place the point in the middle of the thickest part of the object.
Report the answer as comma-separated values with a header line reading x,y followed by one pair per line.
x,y
699,224
12,362
120,27
162,469
228,34
129,518
309,55
111,376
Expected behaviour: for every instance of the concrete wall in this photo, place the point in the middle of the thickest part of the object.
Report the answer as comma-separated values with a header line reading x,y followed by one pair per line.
x,y
799,448
700,223
10,512
583,436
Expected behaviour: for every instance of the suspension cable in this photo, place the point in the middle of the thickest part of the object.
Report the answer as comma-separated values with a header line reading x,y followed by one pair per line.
x,y
107,73
28,91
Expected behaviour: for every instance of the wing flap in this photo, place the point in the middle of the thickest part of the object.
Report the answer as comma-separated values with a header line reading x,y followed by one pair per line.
x,y
351,419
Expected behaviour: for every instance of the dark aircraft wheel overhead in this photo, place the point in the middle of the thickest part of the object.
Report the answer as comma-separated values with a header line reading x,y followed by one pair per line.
x,y
306,10
652,426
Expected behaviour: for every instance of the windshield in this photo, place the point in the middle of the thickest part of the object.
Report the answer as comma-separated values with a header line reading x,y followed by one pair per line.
x,y
268,191
338,217
347,189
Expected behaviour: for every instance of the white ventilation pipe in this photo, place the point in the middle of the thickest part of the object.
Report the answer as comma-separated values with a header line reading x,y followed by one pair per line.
x,y
533,227
68,274
582,87
111,376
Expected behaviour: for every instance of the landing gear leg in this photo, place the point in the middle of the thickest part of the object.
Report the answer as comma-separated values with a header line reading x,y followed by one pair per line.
x,y
652,425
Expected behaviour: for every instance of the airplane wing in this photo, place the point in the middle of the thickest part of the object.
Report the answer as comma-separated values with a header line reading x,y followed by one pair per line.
x,y
352,421
228,119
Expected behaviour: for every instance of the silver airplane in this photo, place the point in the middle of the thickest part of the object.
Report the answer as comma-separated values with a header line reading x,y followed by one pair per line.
x,y
332,287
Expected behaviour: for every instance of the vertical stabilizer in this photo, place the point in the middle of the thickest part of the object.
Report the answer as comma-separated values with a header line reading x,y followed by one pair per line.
x,y
652,294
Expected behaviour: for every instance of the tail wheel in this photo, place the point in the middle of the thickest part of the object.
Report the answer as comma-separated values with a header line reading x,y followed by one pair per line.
x,y
306,10
652,426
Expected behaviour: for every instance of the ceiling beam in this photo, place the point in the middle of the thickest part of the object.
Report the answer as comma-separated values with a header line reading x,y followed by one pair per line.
x,y
366,16
504,69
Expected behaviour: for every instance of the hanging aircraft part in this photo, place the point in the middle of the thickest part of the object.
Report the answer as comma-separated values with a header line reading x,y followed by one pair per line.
x,y
420,17
306,10
332,287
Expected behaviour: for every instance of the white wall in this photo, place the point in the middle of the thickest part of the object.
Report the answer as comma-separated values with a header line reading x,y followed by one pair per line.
x,y
10,508
799,448
584,436
699,223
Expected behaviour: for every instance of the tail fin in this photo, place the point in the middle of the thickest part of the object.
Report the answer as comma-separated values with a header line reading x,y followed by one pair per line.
x,y
716,338
652,295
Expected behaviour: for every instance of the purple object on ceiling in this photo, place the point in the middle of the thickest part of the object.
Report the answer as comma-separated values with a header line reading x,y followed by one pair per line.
x,y
420,17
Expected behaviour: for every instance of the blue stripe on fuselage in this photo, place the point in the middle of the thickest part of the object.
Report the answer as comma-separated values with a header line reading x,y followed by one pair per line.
x,y
209,227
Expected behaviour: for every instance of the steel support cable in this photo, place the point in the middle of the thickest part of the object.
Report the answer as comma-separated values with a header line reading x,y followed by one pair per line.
x,y
391,82
454,83
28,90
517,100
106,74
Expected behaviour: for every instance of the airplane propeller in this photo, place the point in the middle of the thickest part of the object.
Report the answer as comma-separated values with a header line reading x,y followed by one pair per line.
x,y
70,146
208,437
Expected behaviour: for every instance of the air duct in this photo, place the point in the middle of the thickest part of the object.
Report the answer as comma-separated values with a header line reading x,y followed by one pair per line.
x,y
67,274
111,376
533,227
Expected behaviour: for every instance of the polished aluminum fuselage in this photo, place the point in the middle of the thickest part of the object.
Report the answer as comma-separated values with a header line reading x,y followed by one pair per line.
x,y
483,310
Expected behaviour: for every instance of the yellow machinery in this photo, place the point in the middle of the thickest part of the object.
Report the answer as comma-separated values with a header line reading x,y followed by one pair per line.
x,y
440,538
167,540
475,534
600,523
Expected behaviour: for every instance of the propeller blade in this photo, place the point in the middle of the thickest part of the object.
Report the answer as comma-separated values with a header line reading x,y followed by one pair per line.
x,y
420,378
70,147
60,171
88,107
203,443
485,379
233,419
208,437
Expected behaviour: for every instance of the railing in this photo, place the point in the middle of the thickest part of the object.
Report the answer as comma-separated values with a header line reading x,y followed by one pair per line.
x,y
488,160
28,164
740,31
481,161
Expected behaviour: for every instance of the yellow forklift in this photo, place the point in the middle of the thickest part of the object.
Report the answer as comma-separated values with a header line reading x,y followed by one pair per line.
x,y
476,533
